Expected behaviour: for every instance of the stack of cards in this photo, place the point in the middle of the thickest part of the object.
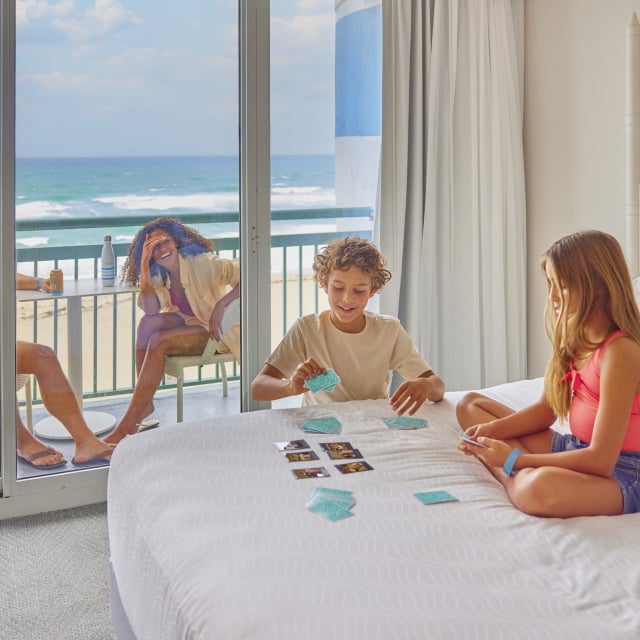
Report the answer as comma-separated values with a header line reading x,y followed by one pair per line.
x,y
433,497
333,504
404,422
323,382
322,425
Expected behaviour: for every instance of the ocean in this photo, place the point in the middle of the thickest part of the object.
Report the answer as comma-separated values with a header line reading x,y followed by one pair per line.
x,y
107,187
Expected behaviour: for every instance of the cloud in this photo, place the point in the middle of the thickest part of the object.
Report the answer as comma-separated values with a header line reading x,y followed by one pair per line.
x,y
104,17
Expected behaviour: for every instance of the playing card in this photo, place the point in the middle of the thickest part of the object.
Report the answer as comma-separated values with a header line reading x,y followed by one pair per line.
x,y
310,472
330,510
433,497
333,504
292,445
404,422
301,456
344,454
463,436
354,467
322,425
323,382
335,495
335,446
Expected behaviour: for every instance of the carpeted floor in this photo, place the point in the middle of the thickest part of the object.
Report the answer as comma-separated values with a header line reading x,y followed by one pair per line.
x,y
54,582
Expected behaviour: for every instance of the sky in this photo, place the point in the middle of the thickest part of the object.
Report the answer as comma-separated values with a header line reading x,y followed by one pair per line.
x,y
99,78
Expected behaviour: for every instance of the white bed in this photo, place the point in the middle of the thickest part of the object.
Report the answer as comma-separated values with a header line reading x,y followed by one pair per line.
x,y
210,539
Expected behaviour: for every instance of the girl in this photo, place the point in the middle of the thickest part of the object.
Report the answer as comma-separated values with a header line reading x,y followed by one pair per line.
x,y
592,378
184,289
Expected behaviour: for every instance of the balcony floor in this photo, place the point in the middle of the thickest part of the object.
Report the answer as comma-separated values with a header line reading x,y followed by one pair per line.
x,y
199,403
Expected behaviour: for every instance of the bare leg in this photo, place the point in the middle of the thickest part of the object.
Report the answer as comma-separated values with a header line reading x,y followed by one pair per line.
x,y
148,326
543,491
182,340
58,397
28,445
474,408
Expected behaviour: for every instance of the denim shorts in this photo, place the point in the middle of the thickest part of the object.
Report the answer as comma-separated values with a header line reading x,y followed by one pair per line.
x,y
626,472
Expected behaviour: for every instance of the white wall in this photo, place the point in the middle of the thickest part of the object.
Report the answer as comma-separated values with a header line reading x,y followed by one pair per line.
x,y
574,132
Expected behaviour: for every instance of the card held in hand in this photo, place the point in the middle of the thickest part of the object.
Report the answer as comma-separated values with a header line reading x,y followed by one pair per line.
x,y
323,382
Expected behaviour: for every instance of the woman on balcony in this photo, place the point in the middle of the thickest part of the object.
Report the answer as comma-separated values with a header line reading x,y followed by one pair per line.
x,y
184,290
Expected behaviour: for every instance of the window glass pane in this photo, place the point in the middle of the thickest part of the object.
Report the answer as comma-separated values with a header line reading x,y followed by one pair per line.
x,y
326,74
127,111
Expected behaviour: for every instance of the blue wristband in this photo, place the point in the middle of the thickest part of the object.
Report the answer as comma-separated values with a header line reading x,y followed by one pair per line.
x,y
38,283
510,461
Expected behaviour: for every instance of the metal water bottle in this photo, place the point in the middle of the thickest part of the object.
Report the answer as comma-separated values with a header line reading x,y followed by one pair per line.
x,y
108,264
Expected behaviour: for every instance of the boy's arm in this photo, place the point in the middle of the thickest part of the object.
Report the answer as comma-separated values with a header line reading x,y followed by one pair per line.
x,y
271,384
412,394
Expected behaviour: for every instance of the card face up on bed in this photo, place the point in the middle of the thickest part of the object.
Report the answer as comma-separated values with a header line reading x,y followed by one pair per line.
x,y
218,531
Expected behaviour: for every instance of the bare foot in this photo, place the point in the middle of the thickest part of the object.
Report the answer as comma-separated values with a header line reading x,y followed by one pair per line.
x,y
93,450
119,433
39,455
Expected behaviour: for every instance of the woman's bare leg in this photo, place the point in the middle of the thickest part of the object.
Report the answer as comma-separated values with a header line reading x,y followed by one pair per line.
x,y
58,397
183,340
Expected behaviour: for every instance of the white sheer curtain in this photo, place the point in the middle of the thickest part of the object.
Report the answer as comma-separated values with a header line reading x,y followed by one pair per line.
x,y
451,206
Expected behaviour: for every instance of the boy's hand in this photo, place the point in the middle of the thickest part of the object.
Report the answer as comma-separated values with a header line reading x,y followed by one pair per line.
x,y
305,370
410,396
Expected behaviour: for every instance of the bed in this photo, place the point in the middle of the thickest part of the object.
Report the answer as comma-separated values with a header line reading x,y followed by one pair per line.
x,y
211,538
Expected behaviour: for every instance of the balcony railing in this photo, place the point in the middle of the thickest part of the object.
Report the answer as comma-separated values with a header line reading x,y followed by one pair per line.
x,y
111,371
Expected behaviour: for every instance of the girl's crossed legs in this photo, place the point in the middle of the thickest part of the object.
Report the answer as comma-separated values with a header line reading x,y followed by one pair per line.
x,y
543,491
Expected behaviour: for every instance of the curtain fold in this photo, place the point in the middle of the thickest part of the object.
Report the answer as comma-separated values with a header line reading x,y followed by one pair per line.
x,y
451,206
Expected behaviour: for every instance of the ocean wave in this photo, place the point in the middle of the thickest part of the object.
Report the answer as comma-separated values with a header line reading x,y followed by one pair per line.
x,y
36,241
192,201
42,209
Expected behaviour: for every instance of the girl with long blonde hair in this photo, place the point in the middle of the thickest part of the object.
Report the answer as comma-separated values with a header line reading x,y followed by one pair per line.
x,y
592,381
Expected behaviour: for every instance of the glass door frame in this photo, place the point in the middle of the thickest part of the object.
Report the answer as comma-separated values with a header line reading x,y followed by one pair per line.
x,y
57,491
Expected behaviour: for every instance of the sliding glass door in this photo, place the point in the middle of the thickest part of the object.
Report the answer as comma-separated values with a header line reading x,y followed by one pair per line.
x,y
125,113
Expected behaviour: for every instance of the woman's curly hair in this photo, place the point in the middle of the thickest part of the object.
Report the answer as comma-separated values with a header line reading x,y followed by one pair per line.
x,y
339,255
188,241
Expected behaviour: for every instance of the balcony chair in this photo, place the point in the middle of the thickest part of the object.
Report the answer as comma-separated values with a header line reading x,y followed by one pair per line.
x,y
24,380
175,365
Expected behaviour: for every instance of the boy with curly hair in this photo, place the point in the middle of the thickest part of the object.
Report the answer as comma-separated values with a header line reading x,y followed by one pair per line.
x,y
362,347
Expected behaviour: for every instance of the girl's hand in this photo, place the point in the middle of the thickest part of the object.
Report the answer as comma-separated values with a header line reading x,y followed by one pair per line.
x,y
45,284
410,396
305,370
493,454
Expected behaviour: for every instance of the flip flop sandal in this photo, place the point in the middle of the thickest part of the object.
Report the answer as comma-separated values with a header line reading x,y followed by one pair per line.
x,y
30,460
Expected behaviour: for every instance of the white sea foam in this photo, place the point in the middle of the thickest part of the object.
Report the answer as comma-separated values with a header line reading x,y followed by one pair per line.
x,y
192,201
36,241
281,198
41,209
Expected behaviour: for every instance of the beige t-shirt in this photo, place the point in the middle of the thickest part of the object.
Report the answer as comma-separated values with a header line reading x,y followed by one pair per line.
x,y
364,361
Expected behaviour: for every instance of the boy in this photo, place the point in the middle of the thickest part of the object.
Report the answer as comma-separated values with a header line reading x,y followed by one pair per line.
x,y
360,346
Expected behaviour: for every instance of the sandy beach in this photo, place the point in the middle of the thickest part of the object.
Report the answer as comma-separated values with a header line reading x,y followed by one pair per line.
x,y
114,327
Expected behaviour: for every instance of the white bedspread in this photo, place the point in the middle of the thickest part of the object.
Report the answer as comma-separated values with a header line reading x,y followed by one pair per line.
x,y
210,539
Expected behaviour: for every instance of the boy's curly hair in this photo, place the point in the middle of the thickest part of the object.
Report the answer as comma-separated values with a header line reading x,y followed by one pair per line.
x,y
339,255
188,241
